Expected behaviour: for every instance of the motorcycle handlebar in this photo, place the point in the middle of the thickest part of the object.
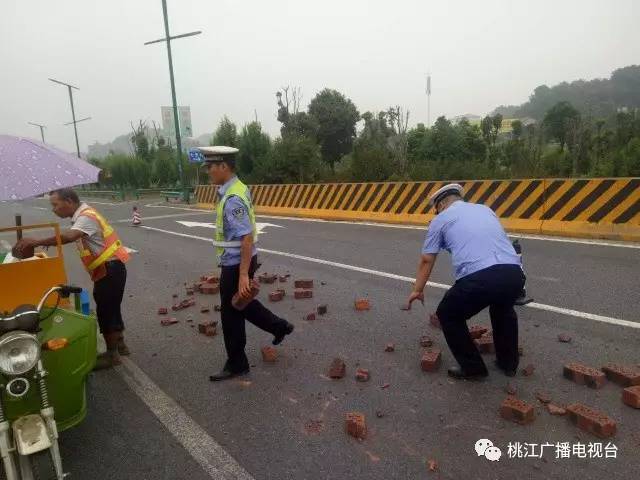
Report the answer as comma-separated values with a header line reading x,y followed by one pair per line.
x,y
64,291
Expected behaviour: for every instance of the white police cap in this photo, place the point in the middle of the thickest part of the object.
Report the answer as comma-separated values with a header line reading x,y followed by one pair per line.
x,y
444,191
218,153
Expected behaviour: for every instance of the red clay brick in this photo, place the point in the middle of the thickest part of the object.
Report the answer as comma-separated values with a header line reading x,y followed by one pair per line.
x,y
207,326
269,354
485,343
435,321
355,425
631,396
362,375
337,369
431,360
165,322
276,296
311,316
267,278
304,284
528,370
162,311
564,338
426,341
517,410
209,288
591,420
477,331
210,331
584,375
300,294
362,304
623,375
554,409
322,310
543,397
390,347
211,279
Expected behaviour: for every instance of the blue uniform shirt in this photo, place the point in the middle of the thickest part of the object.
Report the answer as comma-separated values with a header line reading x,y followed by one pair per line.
x,y
474,237
237,224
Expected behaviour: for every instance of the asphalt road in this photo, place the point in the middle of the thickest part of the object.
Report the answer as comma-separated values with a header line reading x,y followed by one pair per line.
x,y
158,417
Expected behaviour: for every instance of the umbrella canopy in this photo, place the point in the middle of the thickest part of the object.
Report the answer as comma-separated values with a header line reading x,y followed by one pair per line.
x,y
29,168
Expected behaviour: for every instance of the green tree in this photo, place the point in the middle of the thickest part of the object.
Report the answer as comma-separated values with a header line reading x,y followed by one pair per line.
x,y
557,120
293,158
254,145
336,117
632,157
226,133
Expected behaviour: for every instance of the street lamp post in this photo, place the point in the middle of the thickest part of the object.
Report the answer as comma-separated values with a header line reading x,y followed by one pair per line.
x,y
167,38
42,127
73,112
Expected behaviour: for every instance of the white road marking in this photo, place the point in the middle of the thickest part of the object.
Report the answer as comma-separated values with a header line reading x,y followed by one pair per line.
x,y
583,241
544,279
205,450
130,250
259,225
157,217
538,306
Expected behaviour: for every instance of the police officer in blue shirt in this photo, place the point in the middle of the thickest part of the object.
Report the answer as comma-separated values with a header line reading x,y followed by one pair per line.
x,y
235,240
488,274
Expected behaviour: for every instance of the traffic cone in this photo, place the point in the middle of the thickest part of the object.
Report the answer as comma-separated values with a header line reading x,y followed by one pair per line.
x,y
137,220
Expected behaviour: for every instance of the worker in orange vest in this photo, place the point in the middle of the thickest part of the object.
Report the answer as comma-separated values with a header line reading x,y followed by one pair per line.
x,y
103,256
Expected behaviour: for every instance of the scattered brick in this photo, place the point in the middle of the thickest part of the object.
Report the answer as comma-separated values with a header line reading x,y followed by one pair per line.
x,y
322,310
190,302
210,331
165,322
300,294
209,288
485,343
528,370
543,397
631,396
583,375
511,389
554,409
564,338
267,278
591,420
476,331
276,296
355,425
311,316
431,360
204,327
433,465
362,304
390,347
362,375
162,311
426,341
304,284
337,369
203,278
623,375
211,279
269,354
517,410
435,321
205,309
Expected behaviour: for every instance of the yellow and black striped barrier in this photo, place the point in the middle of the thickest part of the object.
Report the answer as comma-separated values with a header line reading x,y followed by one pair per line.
x,y
594,208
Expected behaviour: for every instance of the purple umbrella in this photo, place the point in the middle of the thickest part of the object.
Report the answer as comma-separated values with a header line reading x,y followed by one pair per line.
x,y
29,168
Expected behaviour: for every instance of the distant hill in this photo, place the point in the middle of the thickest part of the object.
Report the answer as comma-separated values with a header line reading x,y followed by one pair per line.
x,y
122,144
600,97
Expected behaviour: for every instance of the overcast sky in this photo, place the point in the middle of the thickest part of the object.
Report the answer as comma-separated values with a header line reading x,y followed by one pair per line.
x,y
480,53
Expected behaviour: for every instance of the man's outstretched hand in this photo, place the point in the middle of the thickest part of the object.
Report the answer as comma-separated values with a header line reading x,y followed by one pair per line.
x,y
24,248
412,298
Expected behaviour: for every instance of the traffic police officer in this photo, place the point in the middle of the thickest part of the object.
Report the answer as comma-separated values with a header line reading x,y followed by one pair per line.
x,y
488,274
236,235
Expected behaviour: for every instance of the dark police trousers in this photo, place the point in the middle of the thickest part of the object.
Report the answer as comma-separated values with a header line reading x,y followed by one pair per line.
x,y
233,326
496,287
108,293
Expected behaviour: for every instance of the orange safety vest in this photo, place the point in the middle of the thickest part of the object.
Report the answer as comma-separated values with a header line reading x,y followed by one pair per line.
x,y
95,264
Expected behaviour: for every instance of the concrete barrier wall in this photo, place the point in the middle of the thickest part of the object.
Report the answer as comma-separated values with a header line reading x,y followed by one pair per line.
x,y
591,208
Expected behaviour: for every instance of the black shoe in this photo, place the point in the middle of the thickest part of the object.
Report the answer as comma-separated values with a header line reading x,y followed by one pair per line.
x,y
277,340
507,371
458,373
225,374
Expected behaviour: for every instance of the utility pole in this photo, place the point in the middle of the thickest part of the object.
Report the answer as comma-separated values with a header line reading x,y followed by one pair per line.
x,y
167,38
73,112
428,100
42,127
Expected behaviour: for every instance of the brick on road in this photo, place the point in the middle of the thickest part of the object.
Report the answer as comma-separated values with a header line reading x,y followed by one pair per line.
x,y
631,396
337,369
517,411
583,375
269,354
355,425
301,294
431,360
304,284
591,420
623,375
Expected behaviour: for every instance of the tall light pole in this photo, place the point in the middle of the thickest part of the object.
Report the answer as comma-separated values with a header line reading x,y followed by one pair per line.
x,y
167,38
428,91
73,112
42,127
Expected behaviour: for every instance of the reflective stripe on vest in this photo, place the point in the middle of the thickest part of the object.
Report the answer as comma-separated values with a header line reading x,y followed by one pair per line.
x,y
240,190
94,264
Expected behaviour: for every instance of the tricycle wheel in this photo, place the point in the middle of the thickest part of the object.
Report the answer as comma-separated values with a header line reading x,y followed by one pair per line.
x,y
42,465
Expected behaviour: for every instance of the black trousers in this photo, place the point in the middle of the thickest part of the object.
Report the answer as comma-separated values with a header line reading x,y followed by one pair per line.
x,y
108,293
496,287
233,326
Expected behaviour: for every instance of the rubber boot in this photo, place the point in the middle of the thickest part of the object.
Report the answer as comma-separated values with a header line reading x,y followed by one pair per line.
x,y
123,350
111,357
